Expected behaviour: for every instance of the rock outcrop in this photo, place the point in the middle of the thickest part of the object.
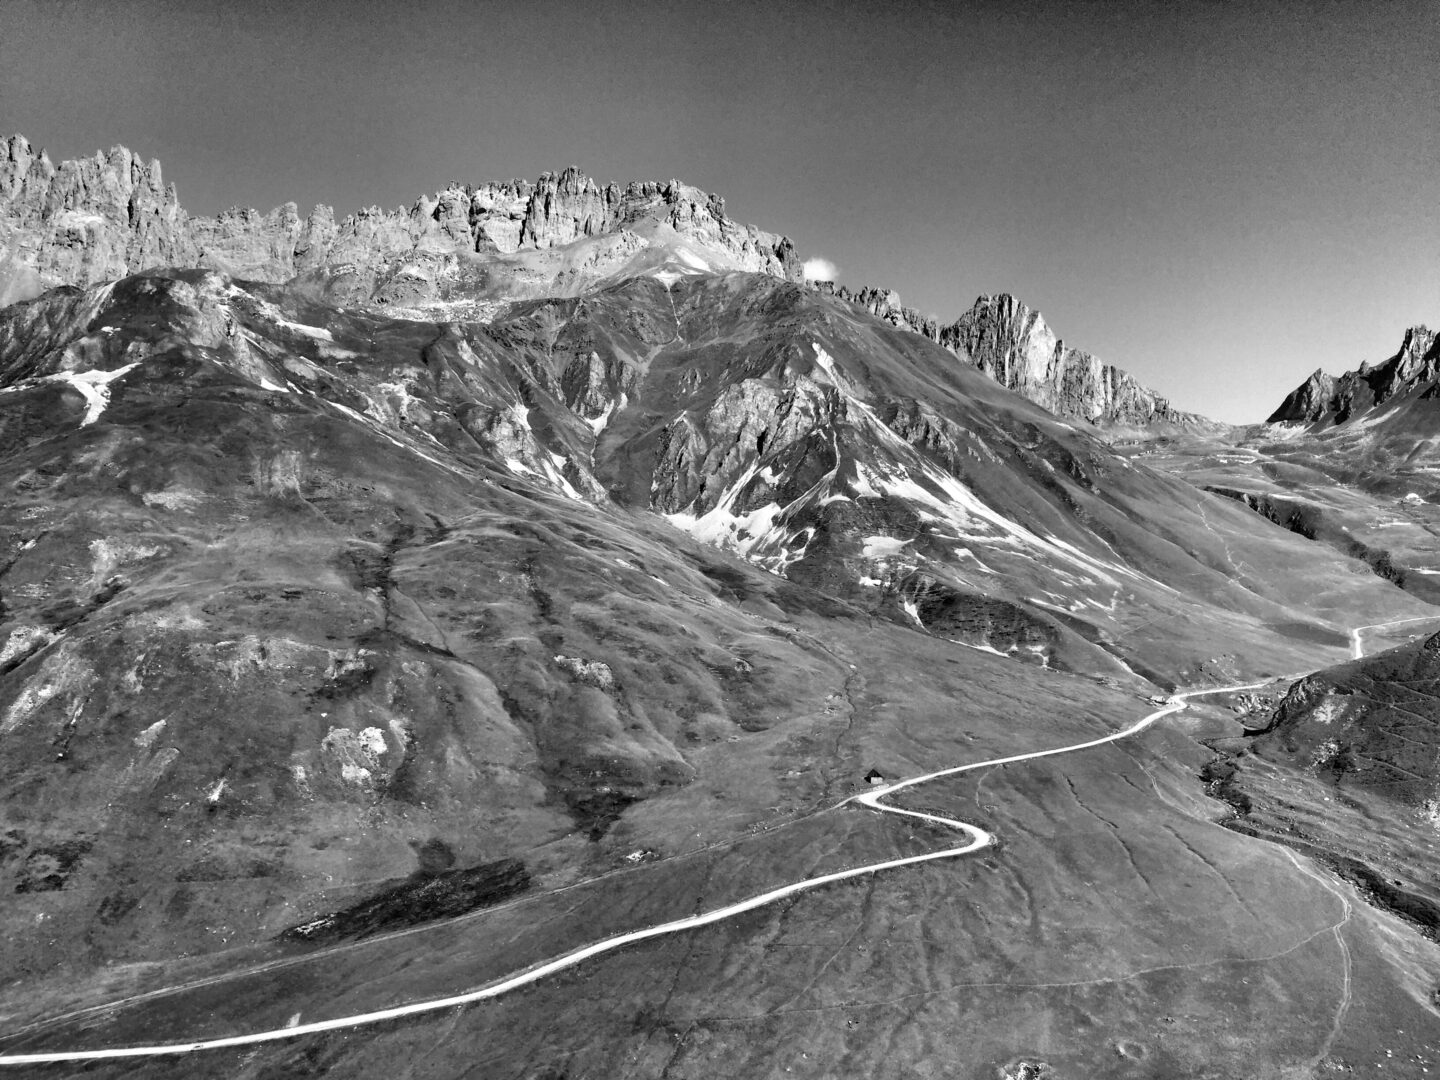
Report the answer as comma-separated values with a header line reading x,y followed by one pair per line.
x,y
85,221
100,218
1326,400
1011,343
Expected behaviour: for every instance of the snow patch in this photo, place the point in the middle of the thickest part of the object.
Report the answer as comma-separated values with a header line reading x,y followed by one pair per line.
x,y
553,463
723,528
94,386
375,427
963,553
826,363
315,332
972,519
880,547
982,648
601,422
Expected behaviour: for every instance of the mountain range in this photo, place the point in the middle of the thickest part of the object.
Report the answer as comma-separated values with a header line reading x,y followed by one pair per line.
x,y
460,251
390,605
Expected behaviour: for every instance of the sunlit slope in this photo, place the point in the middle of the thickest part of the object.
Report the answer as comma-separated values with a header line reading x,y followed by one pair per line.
x,y
833,448
1346,768
1309,486
265,655
818,442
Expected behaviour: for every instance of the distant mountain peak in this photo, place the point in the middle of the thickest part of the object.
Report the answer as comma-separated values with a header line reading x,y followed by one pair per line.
x,y
1011,342
1326,400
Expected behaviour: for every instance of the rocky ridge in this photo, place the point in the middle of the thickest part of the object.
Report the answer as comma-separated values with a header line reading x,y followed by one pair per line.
x,y
1011,343
1327,400
462,251
99,218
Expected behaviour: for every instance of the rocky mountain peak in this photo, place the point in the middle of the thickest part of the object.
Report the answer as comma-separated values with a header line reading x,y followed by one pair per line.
x,y
1012,343
1416,344
1308,399
1324,399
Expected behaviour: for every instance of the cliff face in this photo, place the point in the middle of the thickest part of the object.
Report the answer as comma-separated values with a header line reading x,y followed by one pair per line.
x,y
1011,343
83,222
1326,400
100,218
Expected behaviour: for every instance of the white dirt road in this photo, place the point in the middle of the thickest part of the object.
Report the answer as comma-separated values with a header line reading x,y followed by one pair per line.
x,y
975,839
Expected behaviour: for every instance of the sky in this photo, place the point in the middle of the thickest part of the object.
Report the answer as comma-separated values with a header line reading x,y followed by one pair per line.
x,y
1217,197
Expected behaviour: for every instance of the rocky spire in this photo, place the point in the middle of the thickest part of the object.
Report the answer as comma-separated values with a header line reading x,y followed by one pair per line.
x,y
85,221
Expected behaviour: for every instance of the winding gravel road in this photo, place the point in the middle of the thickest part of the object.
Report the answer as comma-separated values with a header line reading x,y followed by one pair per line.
x,y
976,838
1357,650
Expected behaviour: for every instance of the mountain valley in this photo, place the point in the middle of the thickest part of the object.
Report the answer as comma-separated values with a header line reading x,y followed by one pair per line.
x,y
393,605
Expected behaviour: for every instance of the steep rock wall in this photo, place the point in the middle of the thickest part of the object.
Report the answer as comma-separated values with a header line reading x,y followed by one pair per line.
x,y
99,218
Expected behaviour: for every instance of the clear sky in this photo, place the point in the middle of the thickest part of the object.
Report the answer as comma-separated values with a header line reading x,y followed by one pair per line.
x,y
1218,197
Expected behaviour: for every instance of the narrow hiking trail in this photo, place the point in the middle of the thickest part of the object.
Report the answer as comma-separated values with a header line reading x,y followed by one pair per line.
x,y
975,839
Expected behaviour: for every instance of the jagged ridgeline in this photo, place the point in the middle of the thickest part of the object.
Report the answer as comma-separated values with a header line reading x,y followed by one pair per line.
x,y
463,252
100,218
